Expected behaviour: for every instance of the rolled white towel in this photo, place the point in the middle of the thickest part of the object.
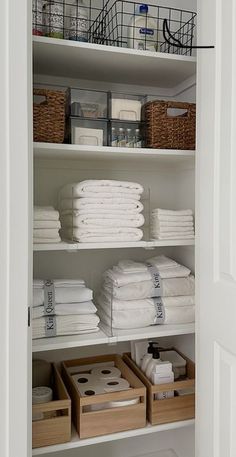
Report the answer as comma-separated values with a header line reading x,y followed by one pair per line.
x,y
45,213
102,189
65,325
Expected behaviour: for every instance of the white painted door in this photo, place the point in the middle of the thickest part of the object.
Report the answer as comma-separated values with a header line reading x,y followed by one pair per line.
x,y
216,240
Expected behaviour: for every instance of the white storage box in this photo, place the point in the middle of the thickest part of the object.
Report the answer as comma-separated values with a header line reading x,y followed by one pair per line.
x,y
85,136
178,362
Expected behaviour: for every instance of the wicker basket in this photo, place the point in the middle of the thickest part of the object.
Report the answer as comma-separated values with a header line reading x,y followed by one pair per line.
x,y
165,131
50,116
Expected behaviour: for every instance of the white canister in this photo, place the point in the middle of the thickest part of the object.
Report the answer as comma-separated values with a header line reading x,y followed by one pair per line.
x,y
54,19
37,17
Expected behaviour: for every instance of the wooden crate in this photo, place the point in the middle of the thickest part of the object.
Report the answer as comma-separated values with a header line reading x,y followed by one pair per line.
x,y
173,409
53,430
105,421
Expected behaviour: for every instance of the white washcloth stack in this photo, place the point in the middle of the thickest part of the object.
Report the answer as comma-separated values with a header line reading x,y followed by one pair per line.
x,y
101,211
174,225
135,295
46,225
63,307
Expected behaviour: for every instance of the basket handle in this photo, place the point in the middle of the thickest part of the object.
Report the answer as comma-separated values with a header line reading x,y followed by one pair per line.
x,y
179,105
43,93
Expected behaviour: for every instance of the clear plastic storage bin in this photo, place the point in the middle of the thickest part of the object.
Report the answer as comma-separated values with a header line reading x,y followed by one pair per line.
x,y
88,132
125,134
88,103
125,107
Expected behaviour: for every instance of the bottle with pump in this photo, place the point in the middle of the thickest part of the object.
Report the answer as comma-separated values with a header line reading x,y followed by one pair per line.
x,y
148,357
142,30
155,360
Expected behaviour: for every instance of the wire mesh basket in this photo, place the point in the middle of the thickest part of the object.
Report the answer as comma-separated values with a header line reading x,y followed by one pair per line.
x,y
122,23
125,23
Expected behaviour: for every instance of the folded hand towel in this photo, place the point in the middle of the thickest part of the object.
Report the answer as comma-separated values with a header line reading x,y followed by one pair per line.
x,y
169,288
170,224
102,234
102,188
65,325
45,213
163,230
170,218
173,236
47,225
66,309
37,240
93,205
102,220
167,212
46,233
73,294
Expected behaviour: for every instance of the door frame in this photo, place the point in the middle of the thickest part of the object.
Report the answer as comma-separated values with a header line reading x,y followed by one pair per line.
x,y
16,231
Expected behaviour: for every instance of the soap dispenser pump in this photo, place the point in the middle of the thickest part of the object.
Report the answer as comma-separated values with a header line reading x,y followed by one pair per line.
x,y
148,357
155,360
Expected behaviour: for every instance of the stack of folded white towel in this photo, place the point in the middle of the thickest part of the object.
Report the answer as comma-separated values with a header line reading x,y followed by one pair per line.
x,y
167,224
101,210
63,307
134,295
46,225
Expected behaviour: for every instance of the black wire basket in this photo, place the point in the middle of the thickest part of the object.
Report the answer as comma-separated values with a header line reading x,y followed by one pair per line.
x,y
121,23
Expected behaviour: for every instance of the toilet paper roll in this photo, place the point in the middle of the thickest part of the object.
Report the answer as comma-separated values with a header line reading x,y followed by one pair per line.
x,y
91,389
116,384
83,379
106,372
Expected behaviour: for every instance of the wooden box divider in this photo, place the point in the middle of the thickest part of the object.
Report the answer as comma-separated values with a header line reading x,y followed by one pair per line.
x,y
110,420
173,409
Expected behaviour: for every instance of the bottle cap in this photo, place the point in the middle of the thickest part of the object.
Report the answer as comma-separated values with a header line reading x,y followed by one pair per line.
x,y
151,347
143,8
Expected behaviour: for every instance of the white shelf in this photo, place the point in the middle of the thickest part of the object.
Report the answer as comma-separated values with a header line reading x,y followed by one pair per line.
x,y
75,152
76,442
70,341
104,337
70,246
107,63
155,331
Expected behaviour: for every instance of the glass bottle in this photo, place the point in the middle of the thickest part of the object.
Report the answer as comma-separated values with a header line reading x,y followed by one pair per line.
x,y
129,139
114,138
121,138
137,139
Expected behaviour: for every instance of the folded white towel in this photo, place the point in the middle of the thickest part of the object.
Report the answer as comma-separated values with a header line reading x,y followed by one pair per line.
x,y
171,224
128,319
102,189
46,233
66,309
167,212
102,234
93,205
173,236
102,220
171,287
161,262
66,325
163,230
37,240
47,225
163,218
45,213
73,294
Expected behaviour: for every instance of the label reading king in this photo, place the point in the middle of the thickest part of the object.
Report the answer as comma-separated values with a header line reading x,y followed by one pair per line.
x,y
160,311
156,279
50,326
49,298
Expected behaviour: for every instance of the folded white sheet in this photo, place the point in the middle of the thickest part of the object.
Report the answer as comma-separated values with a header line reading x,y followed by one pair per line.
x,y
37,240
119,279
67,325
73,294
102,234
167,212
92,205
47,225
102,220
66,309
161,262
39,283
46,233
130,319
171,287
109,303
102,189
45,213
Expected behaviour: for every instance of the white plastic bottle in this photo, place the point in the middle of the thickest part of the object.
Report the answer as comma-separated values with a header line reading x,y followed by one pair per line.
x,y
165,377
147,358
142,30
155,360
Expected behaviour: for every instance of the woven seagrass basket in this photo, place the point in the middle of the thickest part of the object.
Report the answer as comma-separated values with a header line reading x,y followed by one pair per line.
x,y
50,116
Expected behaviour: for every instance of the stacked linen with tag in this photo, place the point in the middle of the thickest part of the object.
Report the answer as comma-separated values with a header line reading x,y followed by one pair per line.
x,y
63,307
174,225
135,294
101,211
46,225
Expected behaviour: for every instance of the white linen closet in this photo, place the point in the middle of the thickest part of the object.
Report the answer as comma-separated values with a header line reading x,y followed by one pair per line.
x,y
203,180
